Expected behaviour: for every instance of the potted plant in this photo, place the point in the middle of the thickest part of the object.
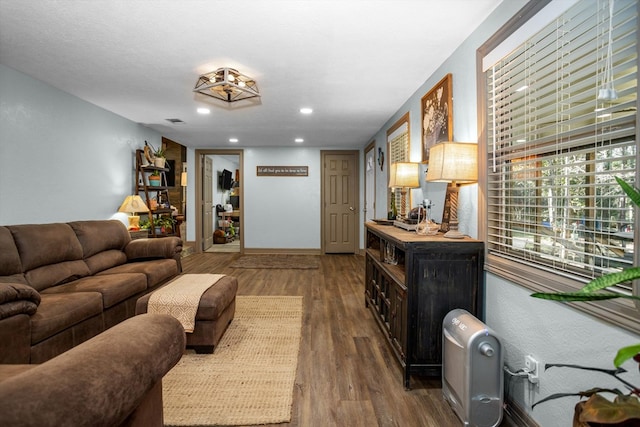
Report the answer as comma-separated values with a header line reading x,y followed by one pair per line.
x,y
165,223
624,410
159,157
155,179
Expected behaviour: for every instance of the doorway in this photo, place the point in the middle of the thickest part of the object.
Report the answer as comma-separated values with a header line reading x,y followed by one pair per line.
x,y
219,201
340,203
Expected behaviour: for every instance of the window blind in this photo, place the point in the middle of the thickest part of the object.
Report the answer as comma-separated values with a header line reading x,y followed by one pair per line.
x,y
554,149
398,143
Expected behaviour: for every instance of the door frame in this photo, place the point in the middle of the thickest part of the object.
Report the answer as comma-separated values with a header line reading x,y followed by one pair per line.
x,y
200,154
356,228
367,149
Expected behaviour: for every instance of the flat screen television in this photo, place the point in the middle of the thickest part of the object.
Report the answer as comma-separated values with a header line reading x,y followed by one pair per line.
x,y
225,180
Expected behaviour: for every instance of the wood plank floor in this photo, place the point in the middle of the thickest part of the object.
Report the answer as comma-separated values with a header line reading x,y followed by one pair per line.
x,y
347,375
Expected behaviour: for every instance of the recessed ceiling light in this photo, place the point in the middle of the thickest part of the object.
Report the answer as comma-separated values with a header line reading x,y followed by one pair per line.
x,y
306,110
299,140
202,110
234,140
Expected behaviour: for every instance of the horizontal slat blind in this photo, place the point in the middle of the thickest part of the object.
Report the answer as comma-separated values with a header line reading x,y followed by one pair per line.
x,y
554,149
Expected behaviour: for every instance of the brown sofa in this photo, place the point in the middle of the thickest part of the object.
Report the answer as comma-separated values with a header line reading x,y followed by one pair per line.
x,y
113,379
63,283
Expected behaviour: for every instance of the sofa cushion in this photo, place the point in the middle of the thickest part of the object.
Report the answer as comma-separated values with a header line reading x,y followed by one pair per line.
x,y
55,274
105,260
9,257
50,253
157,270
114,288
100,236
58,312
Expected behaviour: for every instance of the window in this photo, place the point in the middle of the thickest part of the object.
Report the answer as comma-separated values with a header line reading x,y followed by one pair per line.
x,y
398,151
561,117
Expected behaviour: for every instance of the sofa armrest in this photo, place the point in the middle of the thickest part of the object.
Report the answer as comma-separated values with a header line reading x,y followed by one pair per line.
x,y
100,382
165,247
17,298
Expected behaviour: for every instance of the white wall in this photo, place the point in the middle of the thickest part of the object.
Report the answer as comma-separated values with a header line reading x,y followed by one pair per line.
x,y
61,158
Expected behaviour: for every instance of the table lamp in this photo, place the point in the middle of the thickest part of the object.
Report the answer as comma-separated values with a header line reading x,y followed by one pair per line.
x,y
455,163
132,205
404,175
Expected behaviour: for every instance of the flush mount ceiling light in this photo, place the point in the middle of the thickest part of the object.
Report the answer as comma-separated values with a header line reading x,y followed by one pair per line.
x,y
227,84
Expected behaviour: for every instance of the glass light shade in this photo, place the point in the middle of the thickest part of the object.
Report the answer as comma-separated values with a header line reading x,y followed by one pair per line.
x,y
453,162
404,175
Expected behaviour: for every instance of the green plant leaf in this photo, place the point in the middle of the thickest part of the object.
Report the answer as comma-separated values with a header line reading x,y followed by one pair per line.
x,y
633,193
611,279
586,393
613,372
626,353
579,296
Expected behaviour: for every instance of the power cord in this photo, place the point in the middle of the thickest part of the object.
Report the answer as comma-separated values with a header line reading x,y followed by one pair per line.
x,y
519,373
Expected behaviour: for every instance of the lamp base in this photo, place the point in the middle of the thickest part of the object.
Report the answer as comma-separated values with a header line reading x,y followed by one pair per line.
x,y
134,222
454,234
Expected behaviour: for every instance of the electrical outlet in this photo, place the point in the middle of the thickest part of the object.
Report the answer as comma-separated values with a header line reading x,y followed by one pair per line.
x,y
531,365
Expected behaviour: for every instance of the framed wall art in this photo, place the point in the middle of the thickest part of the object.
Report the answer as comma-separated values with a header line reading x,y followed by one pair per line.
x,y
437,116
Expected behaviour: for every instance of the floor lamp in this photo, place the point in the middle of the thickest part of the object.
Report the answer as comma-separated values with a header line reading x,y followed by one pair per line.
x,y
455,163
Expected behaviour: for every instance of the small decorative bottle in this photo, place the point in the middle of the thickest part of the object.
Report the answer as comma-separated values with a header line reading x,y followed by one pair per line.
x,y
394,211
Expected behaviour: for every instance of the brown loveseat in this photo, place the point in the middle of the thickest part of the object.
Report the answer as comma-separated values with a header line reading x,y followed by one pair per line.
x,y
63,283
113,379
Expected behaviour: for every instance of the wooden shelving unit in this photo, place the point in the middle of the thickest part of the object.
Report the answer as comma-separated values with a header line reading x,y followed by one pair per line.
x,y
148,193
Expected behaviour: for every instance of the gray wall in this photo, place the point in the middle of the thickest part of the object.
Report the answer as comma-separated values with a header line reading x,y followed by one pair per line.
x,y
552,332
61,158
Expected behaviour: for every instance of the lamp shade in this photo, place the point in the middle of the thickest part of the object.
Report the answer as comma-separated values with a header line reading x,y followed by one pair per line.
x,y
133,204
404,175
453,162
183,179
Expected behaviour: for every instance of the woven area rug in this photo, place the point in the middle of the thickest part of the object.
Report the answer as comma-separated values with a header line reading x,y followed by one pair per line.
x,y
249,378
277,261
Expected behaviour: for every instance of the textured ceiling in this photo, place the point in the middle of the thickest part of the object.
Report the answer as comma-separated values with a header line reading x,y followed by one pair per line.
x,y
354,62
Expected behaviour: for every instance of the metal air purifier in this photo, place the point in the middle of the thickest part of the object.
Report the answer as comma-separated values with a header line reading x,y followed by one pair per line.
x,y
472,376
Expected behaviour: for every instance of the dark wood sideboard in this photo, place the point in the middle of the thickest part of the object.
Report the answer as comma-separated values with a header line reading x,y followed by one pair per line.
x,y
409,300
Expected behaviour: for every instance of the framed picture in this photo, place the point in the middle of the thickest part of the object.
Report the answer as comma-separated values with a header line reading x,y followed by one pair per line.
x,y
437,116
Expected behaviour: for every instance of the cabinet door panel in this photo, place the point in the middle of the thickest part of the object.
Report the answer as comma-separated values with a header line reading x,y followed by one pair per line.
x,y
443,282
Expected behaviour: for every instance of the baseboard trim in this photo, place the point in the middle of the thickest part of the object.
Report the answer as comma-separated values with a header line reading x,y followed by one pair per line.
x,y
281,251
515,416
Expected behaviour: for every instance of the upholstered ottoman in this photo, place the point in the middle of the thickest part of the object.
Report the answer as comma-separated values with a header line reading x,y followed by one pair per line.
x,y
214,313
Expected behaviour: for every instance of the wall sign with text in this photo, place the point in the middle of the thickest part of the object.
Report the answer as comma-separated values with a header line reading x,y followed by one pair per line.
x,y
282,170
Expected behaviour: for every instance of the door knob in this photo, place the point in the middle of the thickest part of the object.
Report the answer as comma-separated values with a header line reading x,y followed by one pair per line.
x,y
351,208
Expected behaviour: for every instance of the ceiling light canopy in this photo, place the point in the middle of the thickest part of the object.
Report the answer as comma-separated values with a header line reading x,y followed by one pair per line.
x,y
227,84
